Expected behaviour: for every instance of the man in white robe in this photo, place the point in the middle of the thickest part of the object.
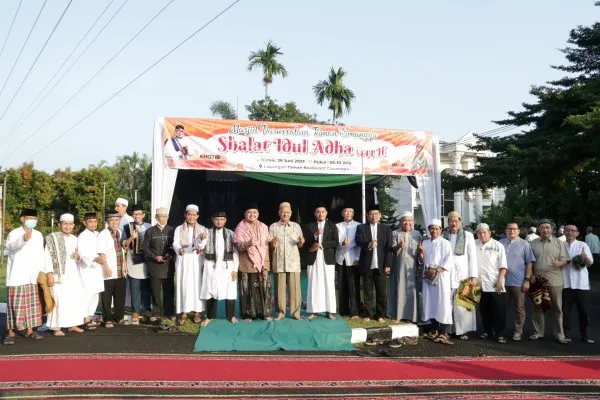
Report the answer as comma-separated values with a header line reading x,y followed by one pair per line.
x,y
436,255
403,292
221,263
121,206
188,240
322,239
91,271
65,279
465,267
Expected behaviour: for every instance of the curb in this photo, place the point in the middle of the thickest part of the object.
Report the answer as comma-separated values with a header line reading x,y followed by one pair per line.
x,y
361,335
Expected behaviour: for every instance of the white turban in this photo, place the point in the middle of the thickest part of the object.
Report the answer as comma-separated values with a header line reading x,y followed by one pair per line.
x,y
483,226
122,201
435,222
192,207
67,218
406,214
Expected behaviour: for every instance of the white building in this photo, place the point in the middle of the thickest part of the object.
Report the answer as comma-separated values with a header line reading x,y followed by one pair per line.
x,y
454,156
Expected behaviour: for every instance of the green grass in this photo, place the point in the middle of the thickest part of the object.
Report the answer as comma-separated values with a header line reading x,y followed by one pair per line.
x,y
360,323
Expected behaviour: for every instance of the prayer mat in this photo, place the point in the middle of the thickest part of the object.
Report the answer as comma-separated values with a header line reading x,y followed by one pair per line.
x,y
539,293
276,376
468,296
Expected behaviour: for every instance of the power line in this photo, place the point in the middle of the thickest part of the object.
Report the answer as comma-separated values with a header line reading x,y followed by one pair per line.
x,y
20,119
93,76
137,77
10,29
23,47
36,59
490,133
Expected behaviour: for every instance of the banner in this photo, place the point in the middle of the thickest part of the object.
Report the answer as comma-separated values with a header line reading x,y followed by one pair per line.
x,y
282,147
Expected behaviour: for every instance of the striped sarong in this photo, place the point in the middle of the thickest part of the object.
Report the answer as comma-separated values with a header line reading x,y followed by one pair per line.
x,y
23,310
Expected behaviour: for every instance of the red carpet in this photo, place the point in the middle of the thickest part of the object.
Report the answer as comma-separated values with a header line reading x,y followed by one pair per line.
x,y
255,376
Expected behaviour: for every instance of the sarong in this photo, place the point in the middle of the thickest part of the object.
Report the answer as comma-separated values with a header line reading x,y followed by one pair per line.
x,y
23,310
255,295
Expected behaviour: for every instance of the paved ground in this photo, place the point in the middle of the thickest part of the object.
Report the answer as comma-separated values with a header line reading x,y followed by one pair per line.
x,y
128,339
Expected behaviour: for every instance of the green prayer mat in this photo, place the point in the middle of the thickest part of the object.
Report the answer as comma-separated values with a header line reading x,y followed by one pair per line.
x,y
286,334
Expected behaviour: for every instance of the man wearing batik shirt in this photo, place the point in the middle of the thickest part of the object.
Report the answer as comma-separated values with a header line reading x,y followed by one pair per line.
x,y
519,259
551,256
576,284
115,271
285,261
25,247
491,260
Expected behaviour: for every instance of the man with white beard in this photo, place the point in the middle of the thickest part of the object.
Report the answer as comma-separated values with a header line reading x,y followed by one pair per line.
x,y
435,254
188,266
90,267
64,279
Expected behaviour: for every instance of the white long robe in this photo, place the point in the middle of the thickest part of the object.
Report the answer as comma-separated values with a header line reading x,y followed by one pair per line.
x,y
68,293
465,266
92,274
320,294
216,276
437,299
188,273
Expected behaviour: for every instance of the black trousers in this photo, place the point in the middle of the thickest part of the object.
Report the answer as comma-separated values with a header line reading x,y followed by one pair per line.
x,y
375,279
493,313
349,290
211,308
114,293
579,297
168,295
441,328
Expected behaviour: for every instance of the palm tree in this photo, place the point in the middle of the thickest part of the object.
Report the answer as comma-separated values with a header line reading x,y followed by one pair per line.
x,y
223,109
267,59
333,90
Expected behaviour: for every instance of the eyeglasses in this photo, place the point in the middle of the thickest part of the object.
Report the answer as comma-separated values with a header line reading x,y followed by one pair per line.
x,y
571,230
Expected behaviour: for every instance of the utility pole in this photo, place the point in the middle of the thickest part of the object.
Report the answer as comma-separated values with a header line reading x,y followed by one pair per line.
x,y
2,221
135,196
103,201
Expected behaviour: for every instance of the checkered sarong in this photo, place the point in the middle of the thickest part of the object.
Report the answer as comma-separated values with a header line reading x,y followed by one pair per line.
x,y
23,309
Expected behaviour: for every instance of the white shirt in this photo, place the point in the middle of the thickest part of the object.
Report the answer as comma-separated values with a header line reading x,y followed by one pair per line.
x,y
106,246
491,258
125,219
321,226
25,258
351,252
562,238
92,273
572,277
531,237
374,238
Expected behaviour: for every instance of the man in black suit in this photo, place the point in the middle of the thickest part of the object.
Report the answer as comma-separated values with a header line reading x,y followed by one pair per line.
x,y
322,240
375,241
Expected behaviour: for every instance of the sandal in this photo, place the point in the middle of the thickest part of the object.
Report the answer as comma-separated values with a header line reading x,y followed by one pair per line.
x,y
34,336
75,329
535,336
464,337
9,340
197,319
180,322
483,336
501,340
432,335
124,322
109,324
444,339
58,333
135,321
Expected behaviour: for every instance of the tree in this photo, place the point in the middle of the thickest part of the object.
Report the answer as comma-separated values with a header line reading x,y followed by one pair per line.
x,y
267,60
552,166
335,92
269,110
223,109
387,203
131,174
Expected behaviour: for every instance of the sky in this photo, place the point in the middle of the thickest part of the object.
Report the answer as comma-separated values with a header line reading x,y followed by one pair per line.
x,y
444,66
